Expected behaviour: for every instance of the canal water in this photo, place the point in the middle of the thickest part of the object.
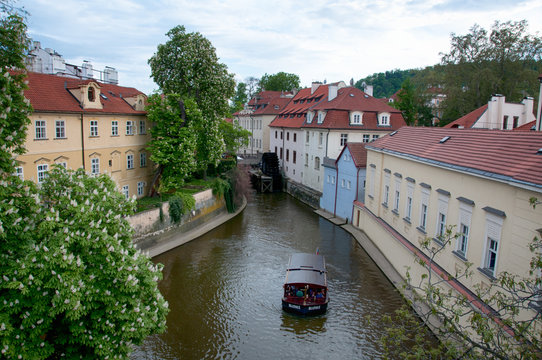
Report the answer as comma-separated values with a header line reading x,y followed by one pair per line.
x,y
224,291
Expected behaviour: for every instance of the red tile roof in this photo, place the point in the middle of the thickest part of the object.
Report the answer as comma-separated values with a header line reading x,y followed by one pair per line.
x,y
527,126
509,156
50,93
340,119
358,152
468,120
351,98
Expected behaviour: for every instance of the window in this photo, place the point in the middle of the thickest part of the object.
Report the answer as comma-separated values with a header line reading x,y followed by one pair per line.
x,y
348,184
385,119
356,119
60,130
114,128
423,208
140,188
94,166
19,172
40,130
307,138
375,137
130,161
294,157
366,138
142,127
491,251
320,117
386,188
306,159
281,153
505,122
465,215
93,128
126,191
295,137
441,224
90,93
396,203
276,134
423,216
42,172
129,127
320,139
441,216
344,139
317,163
281,134
342,183
287,136
333,180
372,172
287,154
309,117
63,164
408,205
142,159
328,179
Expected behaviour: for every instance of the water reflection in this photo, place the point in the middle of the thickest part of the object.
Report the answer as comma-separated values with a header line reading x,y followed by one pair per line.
x,y
224,291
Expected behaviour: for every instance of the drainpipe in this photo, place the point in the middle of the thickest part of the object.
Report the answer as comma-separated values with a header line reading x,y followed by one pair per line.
x,y
82,141
336,188
538,125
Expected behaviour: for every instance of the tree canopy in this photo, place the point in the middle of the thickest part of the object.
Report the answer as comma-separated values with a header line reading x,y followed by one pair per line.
x,y
280,81
413,104
387,83
505,60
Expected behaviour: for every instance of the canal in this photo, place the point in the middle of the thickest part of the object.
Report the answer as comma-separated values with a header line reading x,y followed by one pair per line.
x,y
224,291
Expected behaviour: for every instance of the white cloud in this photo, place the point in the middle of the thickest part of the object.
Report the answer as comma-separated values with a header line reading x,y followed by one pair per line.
x,y
323,39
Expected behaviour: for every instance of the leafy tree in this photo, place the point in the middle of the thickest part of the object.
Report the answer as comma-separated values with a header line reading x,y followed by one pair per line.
x,y
75,286
14,108
506,60
387,83
174,138
508,328
280,81
240,98
252,86
413,105
187,65
234,136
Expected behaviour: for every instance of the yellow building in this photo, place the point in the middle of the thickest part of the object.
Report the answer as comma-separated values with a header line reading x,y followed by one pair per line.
x,y
421,180
83,123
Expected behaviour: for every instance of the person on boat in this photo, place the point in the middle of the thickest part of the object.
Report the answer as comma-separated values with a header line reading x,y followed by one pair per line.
x,y
320,295
299,293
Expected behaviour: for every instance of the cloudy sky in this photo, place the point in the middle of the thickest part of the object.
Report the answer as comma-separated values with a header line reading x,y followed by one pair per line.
x,y
317,40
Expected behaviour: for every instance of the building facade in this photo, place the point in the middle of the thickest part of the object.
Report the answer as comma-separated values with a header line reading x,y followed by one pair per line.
x,y
422,180
76,123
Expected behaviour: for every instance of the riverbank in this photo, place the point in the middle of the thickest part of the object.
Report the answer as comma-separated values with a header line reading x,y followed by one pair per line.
x,y
172,238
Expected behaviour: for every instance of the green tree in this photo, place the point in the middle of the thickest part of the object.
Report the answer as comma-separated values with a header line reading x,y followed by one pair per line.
x,y
76,287
280,81
187,65
234,136
240,98
14,108
413,105
506,60
387,83
174,139
508,328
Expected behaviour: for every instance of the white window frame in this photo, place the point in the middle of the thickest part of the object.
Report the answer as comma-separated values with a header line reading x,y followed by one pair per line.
x,y
397,194
320,139
344,139
114,128
130,127
93,128
60,129
424,208
19,172
42,172
465,219
366,138
384,119
95,166
492,236
409,200
142,127
41,129
126,191
320,117
357,118
140,188
375,136
372,174
129,161
441,216
142,159
317,163
386,194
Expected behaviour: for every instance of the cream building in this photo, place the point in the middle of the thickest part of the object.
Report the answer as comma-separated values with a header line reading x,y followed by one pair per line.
x,y
421,180
83,123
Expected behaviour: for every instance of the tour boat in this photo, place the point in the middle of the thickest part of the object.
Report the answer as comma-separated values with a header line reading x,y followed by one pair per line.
x,y
305,288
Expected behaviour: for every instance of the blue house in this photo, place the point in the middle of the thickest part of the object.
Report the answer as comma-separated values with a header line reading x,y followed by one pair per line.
x,y
344,181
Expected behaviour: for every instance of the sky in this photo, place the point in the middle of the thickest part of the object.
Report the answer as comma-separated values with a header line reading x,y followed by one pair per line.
x,y
320,40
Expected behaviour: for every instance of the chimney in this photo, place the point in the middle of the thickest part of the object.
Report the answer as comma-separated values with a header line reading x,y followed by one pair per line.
x,y
332,92
314,86
369,90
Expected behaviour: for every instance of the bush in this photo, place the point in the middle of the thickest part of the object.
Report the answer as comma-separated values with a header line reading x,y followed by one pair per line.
x,y
179,204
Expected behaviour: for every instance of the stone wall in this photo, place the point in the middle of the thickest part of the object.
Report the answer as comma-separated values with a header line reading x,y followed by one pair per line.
x,y
303,193
150,222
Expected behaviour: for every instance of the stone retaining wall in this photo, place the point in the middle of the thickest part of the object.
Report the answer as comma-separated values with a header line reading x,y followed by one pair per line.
x,y
301,192
148,223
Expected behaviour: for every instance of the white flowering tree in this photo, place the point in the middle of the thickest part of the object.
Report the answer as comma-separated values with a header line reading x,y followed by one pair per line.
x,y
187,65
73,285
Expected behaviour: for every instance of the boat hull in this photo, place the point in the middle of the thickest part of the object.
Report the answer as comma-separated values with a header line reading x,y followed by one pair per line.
x,y
310,309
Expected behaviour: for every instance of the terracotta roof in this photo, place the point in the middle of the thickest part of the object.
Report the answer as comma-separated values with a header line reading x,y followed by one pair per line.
x,y
50,93
508,156
468,120
340,119
273,106
351,98
358,152
527,126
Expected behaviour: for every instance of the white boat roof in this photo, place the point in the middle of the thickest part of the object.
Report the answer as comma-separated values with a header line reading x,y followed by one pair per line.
x,y
306,269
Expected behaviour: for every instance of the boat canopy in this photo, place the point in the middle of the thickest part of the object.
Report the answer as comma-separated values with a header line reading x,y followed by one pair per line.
x,y
306,269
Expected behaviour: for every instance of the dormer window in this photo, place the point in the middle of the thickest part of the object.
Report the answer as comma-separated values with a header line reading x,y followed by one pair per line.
x,y
91,94
384,119
320,117
309,117
356,118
